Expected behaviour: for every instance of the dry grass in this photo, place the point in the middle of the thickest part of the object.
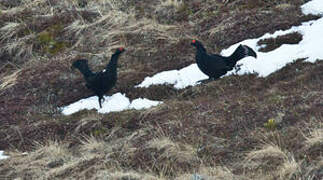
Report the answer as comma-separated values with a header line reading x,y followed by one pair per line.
x,y
265,162
52,150
127,175
8,81
168,156
93,145
267,151
290,169
314,139
209,173
172,151
175,3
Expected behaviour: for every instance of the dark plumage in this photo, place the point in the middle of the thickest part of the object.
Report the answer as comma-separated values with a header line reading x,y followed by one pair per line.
x,y
100,82
215,65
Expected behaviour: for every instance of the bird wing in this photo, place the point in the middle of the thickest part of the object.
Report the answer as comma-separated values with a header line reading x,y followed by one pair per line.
x,y
218,63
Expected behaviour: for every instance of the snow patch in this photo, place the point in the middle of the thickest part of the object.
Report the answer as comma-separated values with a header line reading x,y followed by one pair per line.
x,y
114,103
313,7
180,78
143,103
2,156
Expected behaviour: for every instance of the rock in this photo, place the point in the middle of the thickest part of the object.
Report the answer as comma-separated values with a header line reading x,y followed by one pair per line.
x,y
55,163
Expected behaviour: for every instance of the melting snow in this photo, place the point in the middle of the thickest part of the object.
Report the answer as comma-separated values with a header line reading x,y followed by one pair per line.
x,y
266,63
143,103
116,102
313,7
2,156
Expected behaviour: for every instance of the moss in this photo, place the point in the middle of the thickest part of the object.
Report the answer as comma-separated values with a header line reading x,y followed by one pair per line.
x,y
100,131
270,124
45,37
48,42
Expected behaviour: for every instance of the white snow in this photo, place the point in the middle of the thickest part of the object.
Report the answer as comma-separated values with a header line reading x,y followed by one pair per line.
x,y
2,156
116,102
266,63
181,78
143,103
313,7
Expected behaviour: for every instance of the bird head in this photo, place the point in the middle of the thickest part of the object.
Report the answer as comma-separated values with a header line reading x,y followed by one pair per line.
x,y
198,45
119,50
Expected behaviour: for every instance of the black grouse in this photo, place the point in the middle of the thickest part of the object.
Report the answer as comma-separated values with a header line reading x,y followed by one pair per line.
x,y
214,65
100,82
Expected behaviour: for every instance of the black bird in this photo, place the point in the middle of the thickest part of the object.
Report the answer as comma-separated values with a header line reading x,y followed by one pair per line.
x,y
100,82
214,65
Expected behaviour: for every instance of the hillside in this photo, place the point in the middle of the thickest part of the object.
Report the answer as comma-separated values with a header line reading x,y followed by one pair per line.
x,y
241,126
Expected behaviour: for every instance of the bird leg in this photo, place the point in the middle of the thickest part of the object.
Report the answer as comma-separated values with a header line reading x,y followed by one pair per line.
x,y
237,68
101,100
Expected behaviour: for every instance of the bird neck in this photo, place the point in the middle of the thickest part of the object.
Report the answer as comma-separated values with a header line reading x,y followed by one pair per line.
x,y
200,48
113,62
200,52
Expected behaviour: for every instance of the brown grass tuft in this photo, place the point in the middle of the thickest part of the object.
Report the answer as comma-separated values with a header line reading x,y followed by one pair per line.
x,y
265,161
290,169
314,143
120,175
171,155
10,80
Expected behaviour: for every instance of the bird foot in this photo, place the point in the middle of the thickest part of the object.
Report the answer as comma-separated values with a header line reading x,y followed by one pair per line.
x,y
101,100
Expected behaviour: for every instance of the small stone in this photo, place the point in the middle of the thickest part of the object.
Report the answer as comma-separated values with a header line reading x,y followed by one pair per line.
x,y
55,163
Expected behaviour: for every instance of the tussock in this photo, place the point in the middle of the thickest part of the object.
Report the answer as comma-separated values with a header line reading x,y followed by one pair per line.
x,y
265,162
93,145
175,3
209,173
268,151
315,139
290,169
171,151
10,30
127,175
51,150
10,80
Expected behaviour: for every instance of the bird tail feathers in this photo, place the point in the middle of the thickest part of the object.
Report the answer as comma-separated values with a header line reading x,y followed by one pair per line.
x,y
241,52
83,67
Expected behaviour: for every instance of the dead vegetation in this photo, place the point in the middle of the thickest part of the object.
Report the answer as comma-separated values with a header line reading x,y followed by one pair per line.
x,y
272,125
274,43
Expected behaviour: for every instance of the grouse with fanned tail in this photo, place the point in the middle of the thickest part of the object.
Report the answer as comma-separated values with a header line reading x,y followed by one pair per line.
x,y
214,65
100,82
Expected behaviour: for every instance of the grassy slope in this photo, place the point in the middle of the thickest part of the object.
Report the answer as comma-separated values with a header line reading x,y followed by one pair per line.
x,y
217,130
